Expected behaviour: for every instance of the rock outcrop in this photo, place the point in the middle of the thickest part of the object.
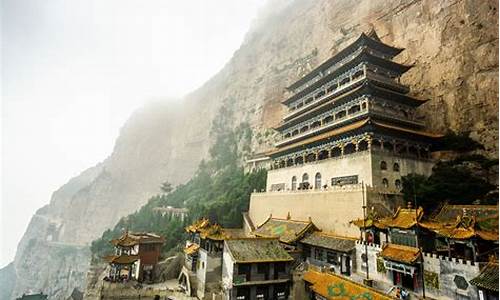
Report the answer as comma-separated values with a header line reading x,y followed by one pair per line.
x,y
454,48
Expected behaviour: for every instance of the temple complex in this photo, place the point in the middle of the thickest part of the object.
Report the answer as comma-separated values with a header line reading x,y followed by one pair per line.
x,y
349,121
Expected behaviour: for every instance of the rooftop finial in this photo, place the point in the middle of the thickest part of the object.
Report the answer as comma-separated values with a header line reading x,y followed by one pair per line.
x,y
373,34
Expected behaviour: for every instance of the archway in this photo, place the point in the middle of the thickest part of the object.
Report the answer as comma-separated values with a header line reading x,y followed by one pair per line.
x,y
317,181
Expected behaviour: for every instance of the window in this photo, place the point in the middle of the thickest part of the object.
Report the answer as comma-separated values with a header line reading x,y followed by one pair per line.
x,y
385,182
403,238
331,257
318,254
397,183
395,168
383,165
317,181
294,183
305,178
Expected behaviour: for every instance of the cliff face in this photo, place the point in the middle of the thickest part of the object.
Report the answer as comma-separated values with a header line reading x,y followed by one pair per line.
x,y
453,45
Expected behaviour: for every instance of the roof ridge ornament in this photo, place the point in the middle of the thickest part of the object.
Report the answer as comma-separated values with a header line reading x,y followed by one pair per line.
x,y
373,34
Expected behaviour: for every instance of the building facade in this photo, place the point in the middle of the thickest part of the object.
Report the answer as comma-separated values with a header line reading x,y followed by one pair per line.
x,y
256,268
136,256
351,130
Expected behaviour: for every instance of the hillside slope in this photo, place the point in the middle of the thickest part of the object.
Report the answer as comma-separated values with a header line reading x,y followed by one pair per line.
x,y
453,44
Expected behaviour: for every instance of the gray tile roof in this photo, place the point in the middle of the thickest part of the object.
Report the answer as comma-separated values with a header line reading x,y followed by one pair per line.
x,y
320,239
251,250
288,231
488,278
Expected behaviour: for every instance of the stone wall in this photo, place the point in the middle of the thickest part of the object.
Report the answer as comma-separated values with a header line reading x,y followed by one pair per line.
x,y
330,210
441,274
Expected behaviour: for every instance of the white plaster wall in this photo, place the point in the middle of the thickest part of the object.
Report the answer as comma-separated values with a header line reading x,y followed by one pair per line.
x,y
406,166
352,164
227,269
373,252
365,164
330,210
447,269
201,272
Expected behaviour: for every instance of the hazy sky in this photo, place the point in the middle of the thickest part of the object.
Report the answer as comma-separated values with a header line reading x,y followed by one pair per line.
x,y
73,71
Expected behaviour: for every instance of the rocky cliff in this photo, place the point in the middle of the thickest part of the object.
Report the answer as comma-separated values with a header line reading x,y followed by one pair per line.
x,y
453,45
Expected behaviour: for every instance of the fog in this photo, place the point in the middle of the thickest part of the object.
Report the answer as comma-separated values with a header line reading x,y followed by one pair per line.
x,y
74,71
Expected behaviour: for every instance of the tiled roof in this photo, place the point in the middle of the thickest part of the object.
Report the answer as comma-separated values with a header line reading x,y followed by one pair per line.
x,y
465,227
129,239
324,240
288,231
488,278
398,128
121,259
198,225
214,231
400,253
332,286
450,212
191,249
322,136
404,218
251,250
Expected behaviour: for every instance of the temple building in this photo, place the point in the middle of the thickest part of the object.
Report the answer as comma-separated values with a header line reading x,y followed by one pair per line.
x,y
443,250
136,256
288,231
465,231
202,270
349,121
323,249
256,268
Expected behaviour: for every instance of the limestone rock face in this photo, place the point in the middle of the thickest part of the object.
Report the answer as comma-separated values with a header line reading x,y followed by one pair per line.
x,y
452,44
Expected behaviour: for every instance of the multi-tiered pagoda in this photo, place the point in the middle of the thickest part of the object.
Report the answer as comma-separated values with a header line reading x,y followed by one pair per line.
x,y
349,121
351,106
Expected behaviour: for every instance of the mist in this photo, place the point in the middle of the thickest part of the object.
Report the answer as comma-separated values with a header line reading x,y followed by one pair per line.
x,y
74,71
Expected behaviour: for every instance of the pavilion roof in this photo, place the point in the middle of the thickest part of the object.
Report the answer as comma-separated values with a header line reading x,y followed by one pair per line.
x,y
214,231
367,123
257,250
369,39
330,241
450,212
362,56
121,259
367,86
488,278
404,218
191,249
198,225
332,286
288,231
129,239
400,253
322,136
465,227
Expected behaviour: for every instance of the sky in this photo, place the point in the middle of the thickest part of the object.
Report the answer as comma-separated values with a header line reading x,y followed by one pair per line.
x,y
73,71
